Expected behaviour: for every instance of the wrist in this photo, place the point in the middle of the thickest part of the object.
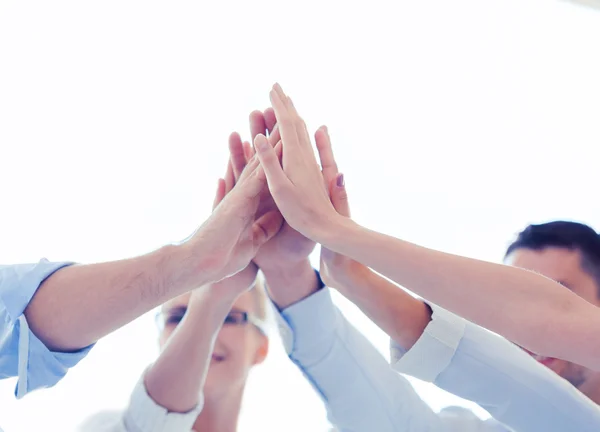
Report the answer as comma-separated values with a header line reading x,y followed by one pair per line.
x,y
335,232
210,304
290,284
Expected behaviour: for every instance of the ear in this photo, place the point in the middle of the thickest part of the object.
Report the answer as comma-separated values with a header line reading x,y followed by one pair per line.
x,y
262,351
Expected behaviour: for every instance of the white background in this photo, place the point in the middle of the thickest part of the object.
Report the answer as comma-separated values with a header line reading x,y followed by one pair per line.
x,y
455,122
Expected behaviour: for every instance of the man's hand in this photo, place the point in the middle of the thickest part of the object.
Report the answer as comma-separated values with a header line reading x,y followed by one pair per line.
x,y
235,231
297,188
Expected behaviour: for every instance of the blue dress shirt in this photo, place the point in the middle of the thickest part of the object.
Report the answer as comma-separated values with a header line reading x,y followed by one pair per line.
x,y
22,354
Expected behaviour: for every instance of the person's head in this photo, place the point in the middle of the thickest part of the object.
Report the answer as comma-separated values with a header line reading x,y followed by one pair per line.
x,y
569,253
241,343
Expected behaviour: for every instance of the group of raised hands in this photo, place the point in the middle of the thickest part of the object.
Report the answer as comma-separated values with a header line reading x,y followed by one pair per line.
x,y
276,201
282,194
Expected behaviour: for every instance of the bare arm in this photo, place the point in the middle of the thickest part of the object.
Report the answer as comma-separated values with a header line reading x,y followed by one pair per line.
x,y
400,315
176,378
78,305
526,308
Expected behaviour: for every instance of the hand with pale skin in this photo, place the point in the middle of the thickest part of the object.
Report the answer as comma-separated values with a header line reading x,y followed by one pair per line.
x,y
284,258
246,276
288,247
494,296
78,305
237,252
336,270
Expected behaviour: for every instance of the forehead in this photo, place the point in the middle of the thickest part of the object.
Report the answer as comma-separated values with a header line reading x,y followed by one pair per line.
x,y
554,262
244,302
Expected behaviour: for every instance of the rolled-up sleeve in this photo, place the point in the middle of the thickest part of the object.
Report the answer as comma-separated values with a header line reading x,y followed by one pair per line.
x,y
475,364
22,354
360,390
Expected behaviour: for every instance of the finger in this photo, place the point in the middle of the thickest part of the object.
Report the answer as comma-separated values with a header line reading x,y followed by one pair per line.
x,y
248,150
220,193
270,119
328,164
339,197
285,123
269,161
229,178
237,155
266,227
272,128
275,135
257,124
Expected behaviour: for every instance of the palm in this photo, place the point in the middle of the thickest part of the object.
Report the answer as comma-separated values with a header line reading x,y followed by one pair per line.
x,y
287,246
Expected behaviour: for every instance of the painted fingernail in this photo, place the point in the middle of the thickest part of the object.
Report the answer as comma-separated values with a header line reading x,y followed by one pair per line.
x,y
340,181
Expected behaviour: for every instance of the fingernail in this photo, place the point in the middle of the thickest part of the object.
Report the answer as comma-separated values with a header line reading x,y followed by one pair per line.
x,y
261,143
340,181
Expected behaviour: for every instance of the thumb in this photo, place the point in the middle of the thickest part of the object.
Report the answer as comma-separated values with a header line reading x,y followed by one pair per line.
x,y
265,227
339,196
270,162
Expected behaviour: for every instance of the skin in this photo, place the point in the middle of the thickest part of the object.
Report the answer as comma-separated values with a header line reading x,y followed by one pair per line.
x,y
494,296
216,361
564,266
78,305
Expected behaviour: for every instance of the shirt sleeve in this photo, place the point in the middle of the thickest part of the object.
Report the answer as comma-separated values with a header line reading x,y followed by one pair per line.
x,y
477,365
361,392
22,354
142,415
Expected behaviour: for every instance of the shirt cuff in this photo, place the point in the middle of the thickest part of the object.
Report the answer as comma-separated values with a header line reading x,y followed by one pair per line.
x,y
308,325
434,350
38,367
145,415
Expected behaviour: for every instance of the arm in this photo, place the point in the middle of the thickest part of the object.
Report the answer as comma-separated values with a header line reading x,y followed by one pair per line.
x,y
51,314
498,297
355,382
176,378
468,361
495,296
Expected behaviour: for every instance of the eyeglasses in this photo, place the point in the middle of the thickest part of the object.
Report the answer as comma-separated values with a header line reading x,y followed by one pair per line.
x,y
235,317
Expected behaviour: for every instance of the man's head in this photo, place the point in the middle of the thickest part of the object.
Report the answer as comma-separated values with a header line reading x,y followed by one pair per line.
x,y
569,253
241,343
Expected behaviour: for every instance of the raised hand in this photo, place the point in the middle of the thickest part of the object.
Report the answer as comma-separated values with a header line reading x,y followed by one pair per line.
x,y
243,280
336,269
288,247
235,231
297,187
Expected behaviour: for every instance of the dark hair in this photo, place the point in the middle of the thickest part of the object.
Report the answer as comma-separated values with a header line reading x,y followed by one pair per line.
x,y
563,234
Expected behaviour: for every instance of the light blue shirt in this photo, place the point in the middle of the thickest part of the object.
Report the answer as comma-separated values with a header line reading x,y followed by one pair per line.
x,y
22,354
477,365
363,393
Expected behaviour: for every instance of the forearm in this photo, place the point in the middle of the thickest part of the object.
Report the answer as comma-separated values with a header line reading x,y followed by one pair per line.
x,y
361,391
78,305
403,317
495,296
290,285
176,378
